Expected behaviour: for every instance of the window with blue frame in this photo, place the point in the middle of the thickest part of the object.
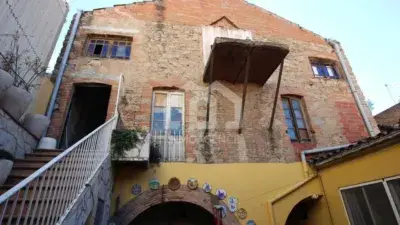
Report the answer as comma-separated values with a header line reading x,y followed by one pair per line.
x,y
326,70
167,113
109,48
295,121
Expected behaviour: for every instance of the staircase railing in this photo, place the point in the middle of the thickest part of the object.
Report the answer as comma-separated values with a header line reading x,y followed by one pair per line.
x,y
45,196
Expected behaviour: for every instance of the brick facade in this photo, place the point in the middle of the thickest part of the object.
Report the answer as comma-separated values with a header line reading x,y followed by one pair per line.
x,y
167,52
149,198
390,116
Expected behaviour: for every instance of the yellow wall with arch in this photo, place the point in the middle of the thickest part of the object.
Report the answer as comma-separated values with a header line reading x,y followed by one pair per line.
x,y
252,183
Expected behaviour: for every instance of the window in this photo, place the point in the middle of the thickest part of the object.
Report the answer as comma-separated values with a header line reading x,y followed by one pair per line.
x,y
120,49
167,124
294,118
374,203
327,70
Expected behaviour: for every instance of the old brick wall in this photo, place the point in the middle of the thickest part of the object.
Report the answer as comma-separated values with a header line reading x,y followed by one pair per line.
x,y
167,52
390,116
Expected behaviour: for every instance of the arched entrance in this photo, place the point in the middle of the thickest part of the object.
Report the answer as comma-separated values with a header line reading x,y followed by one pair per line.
x,y
174,213
149,204
299,214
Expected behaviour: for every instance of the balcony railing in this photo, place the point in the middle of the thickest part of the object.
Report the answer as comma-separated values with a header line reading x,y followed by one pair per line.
x,y
171,144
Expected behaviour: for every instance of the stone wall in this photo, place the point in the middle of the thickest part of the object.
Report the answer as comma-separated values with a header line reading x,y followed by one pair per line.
x,y
167,52
84,209
14,138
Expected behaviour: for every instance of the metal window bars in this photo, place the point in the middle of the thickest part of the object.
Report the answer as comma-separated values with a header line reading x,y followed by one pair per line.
x,y
171,144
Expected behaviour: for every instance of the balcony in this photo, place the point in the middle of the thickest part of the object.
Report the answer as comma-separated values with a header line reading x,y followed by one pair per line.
x,y
170,144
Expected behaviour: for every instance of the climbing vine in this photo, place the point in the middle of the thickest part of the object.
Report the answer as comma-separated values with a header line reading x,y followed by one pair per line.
x,y
205,148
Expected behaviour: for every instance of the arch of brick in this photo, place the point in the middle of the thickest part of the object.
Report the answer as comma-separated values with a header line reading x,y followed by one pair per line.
x,y
128,212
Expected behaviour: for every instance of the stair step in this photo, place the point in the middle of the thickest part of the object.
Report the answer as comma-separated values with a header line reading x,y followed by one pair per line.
x,y
48,150
44,159
43,153
28,164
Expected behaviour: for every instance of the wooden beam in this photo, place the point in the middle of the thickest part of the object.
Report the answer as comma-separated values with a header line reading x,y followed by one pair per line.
x,y
209,89
276,96
246,79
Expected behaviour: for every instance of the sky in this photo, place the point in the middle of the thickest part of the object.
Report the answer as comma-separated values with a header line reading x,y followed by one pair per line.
x,y
369,32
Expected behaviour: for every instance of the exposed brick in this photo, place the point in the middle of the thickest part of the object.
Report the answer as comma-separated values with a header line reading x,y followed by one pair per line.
x,y
167,52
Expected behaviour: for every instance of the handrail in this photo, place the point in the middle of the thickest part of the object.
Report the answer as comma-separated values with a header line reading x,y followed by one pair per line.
x,y
42,169
48,195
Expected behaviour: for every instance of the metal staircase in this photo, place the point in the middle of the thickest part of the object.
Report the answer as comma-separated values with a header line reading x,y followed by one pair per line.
x,y
43,187
45,195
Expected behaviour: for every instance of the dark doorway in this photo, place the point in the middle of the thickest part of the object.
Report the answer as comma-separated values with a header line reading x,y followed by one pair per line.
x,y
174,213
299,213
86,112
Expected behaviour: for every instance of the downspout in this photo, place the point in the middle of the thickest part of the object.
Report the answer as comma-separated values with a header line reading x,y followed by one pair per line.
x,y
61,71
317,150
338,51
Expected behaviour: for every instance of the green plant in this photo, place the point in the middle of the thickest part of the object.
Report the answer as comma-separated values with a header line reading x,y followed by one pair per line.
x,y
155,154
122,141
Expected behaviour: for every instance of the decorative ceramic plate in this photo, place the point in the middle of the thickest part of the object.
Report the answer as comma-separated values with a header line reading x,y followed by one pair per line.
x,y
192,183
154,184
136,189
207,187
242,213
251,222
174,184
232,204
221,194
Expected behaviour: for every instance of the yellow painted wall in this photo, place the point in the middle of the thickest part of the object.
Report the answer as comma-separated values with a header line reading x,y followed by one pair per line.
x,y
252,183
43,96
370,167
318,214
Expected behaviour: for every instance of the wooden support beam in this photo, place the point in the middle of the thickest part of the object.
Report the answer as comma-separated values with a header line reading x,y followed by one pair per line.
x,y
276,96
246,79
209,90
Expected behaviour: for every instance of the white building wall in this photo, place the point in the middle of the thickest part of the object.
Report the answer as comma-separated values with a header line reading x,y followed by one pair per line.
x,y
39,21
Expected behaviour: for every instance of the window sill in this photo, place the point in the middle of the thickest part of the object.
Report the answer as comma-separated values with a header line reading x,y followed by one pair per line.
x,y
326,78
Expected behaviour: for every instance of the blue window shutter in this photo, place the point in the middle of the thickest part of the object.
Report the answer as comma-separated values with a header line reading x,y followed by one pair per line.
x,y
104,50
114,51
127,52
90,49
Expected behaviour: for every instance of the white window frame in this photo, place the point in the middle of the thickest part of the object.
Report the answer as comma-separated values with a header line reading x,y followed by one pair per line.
x,y
387,190
168,108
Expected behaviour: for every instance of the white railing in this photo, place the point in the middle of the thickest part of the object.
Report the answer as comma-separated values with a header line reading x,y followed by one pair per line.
x,y
171,144
47,195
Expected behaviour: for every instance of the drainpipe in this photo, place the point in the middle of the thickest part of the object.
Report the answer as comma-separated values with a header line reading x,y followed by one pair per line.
x,y
336,46
61,71
317,150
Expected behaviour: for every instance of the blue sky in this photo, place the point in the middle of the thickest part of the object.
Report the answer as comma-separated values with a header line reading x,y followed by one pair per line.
x,y
369,32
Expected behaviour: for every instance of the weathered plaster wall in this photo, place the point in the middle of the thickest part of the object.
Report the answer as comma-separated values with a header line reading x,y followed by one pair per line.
x,y
167,51
14,138
84,210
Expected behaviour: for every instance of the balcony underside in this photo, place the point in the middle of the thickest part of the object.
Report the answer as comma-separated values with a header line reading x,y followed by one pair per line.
x,y
228,59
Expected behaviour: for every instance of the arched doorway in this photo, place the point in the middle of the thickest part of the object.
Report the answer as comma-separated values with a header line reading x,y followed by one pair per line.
x,y
149,204
174,213
299,214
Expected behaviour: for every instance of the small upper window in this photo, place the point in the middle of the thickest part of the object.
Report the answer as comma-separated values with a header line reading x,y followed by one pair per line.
x,y
109,48
324,69
297,129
